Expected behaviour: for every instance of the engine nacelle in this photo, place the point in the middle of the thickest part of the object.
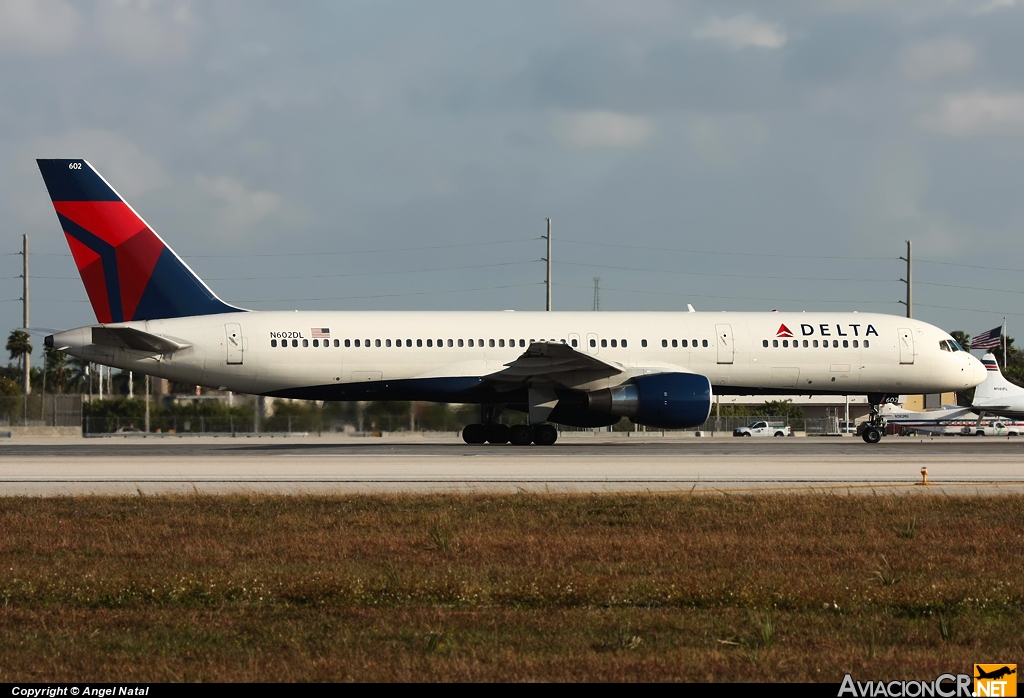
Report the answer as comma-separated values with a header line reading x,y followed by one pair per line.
x,y
662,400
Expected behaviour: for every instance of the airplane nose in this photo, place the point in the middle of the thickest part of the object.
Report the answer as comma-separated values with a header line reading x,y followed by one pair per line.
x,y
978,372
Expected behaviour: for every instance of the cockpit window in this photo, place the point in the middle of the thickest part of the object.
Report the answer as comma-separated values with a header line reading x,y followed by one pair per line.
x,y
950,345
944,346
955,345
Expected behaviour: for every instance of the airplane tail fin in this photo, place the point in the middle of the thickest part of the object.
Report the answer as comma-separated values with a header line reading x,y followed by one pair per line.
x,y
128,271
995,386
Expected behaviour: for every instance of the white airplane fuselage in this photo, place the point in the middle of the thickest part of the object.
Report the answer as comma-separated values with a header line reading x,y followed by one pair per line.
x,y
448,356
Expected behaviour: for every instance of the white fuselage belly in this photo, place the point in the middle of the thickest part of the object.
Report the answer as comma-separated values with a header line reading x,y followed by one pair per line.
x,y
889,363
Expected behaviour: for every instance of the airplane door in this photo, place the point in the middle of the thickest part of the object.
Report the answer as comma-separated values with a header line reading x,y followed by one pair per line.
x,y
574,340
726,348
906,346
233,336
592,343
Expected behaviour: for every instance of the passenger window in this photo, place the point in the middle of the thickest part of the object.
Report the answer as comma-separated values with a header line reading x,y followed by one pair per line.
x,y
575,342
305,342
479,342
501,343
522,342
623,344
430,342
357,342
273,342
419,342
451,343
814,344
805,344
348,343
785,343
295,342
685,343
387,342
604,342
593,342
866,345
643,342
408,342
614,343
460,342
704,342
664,342
775,343
695,344
490,342
366,343
846,344
471,342
675,343
764,343
856,344
316,342
835,343
440,343
377,342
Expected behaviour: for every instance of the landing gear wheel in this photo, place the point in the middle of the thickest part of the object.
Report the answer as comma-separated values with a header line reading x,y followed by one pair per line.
x,y
474,433
520,435
497,434
545,434
872,436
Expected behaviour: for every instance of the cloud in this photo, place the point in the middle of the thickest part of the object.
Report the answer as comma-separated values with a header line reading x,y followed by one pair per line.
x,y
38,26
146,31
239,208
932,59
978,113
595,130
742,31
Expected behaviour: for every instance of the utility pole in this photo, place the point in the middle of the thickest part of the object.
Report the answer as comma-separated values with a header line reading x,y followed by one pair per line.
x,y
25,319
147,403
548,260
597,293
909,281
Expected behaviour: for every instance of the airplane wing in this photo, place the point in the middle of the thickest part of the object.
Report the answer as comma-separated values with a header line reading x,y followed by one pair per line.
x,y
550,360
131,338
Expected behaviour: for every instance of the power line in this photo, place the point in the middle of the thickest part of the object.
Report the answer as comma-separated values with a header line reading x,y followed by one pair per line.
x,y
742,298
730,276
736,254
387,295
370,273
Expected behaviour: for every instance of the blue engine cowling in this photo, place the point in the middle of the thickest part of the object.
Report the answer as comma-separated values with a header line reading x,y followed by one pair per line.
x,y
662,400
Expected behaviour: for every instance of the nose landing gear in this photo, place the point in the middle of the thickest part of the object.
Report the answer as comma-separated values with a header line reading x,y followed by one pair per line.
x,y
872,429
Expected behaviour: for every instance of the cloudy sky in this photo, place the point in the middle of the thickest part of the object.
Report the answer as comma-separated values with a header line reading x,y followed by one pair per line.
x,y
404,155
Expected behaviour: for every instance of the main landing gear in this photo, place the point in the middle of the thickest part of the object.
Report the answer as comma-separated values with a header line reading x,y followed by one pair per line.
x,y
872,429
518,435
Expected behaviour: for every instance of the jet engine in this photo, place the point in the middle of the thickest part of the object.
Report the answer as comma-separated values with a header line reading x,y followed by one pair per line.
x,y
661,400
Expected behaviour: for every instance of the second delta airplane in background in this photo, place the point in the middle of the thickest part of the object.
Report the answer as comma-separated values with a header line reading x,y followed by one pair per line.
x,y
585,369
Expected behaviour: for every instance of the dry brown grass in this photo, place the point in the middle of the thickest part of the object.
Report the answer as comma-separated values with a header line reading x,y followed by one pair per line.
x,y
620,587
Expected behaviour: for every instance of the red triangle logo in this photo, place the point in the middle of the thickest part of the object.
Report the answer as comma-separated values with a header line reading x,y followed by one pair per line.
x,y
783,332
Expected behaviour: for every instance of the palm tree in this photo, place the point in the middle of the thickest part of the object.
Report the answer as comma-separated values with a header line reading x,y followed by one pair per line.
x,y
20,347
55,364
79,375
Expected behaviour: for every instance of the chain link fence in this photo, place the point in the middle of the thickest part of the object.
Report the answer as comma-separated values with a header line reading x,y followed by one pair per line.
x,y
41,410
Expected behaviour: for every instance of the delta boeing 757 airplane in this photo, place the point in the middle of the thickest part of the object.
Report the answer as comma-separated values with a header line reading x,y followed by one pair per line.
x,y
155,316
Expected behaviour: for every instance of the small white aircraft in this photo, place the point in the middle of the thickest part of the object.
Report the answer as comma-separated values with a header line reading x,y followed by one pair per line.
x,y
996,395
948,419
155,316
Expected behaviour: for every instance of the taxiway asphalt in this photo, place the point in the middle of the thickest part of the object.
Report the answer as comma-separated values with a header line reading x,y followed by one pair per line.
x,y
589,463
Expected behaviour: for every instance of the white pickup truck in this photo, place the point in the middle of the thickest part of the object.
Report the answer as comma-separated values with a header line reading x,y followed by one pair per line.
x,y
762,429
991,428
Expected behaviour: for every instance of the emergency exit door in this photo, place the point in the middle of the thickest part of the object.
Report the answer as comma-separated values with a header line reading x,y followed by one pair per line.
x,y
906,346
726,348
233,337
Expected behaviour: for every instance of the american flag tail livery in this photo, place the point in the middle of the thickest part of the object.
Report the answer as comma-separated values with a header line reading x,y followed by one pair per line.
x,y
128,271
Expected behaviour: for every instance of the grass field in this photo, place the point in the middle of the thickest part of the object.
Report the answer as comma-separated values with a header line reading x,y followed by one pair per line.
x,y
522,587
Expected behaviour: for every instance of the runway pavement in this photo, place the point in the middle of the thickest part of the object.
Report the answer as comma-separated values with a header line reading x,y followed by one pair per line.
x,y
584,463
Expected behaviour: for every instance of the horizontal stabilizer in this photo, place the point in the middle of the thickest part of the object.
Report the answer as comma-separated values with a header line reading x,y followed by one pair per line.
x,y
131,338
